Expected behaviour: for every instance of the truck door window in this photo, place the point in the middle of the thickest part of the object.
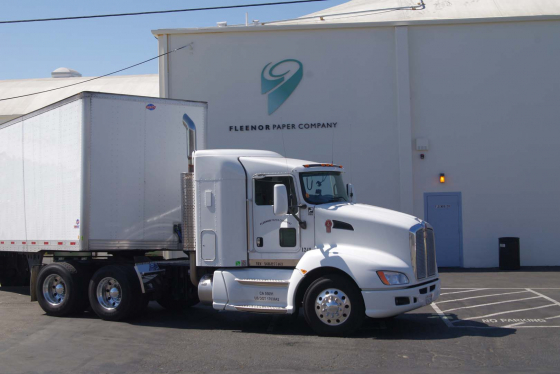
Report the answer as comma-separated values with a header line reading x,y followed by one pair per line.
x,y
264,190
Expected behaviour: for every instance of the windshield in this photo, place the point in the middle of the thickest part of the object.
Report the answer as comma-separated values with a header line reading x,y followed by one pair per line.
x,y
323,187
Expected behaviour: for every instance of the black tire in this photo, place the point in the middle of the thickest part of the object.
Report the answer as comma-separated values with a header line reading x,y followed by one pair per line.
x,y
338,323
73,297
168,302
84,272
131,301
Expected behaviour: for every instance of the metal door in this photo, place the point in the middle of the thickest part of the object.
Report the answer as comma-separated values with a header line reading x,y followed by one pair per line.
x,y
443,212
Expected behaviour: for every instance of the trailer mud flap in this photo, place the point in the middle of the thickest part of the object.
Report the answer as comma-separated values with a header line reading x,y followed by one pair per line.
x,y
35,269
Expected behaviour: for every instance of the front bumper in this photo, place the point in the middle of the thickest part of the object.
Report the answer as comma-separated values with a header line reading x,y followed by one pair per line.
x,y
382,304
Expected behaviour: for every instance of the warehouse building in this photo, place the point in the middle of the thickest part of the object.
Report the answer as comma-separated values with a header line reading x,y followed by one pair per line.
x,y
448,110
142,85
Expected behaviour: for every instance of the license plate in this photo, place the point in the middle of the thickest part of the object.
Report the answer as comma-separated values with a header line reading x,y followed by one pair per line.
x,y
429,299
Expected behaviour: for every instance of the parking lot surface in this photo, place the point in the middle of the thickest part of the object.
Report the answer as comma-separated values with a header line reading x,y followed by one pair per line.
x,y
484,321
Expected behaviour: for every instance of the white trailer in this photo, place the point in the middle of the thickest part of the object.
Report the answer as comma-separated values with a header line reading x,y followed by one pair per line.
x,y
265,233
93,172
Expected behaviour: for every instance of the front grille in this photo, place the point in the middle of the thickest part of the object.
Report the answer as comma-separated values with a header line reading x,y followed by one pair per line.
x,y
431,252
420,255
424,252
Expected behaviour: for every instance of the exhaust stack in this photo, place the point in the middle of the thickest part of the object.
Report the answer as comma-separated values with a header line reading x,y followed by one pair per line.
x,y
191,140
188,200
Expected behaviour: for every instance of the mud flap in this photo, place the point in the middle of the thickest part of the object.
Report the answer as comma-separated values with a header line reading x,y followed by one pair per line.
x,y
35,269
147,273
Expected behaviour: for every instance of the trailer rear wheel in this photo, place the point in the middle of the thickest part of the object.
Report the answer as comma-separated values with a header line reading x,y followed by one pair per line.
x,y
333,306
115,294
60,289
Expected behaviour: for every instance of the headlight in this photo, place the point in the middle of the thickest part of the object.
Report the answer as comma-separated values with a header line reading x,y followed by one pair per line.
x,y
392,278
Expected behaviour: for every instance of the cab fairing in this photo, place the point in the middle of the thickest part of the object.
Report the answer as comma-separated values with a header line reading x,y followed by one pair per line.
x,y
360,263
374,228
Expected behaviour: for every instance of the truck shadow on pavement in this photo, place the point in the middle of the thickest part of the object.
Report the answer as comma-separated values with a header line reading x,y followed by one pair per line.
x,y
413,326
16,290
409,326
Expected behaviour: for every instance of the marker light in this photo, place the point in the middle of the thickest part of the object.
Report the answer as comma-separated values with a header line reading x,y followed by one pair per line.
x,y
392,278
442,178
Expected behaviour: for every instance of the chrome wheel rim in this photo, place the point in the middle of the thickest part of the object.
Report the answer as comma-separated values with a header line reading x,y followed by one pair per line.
x,y
109,293
333,307
54,289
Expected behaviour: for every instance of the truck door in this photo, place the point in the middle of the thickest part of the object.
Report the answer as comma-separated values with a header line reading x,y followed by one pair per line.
x,y
274,233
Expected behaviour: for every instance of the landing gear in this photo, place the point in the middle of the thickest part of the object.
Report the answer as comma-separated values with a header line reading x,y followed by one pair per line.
x,y
115,294
333,306
61,290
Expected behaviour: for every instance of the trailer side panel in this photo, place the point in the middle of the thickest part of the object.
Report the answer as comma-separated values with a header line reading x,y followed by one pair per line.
x,y
12,218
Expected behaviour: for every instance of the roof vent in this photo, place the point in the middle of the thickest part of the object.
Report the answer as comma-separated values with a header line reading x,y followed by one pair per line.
x,y
65,73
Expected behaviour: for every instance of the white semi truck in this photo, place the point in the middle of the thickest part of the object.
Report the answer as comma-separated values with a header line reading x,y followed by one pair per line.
x,y
102,181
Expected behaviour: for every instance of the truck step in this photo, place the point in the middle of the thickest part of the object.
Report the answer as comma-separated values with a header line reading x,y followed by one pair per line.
x,y
261,309
264,282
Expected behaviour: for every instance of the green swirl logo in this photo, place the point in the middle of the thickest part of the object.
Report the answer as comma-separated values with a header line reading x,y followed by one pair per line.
x,y
280,86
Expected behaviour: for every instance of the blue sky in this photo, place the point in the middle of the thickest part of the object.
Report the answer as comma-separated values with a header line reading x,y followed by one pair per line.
x,y
99,46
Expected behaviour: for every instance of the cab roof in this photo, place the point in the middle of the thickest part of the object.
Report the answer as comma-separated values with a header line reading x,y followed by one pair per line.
x,y
258,162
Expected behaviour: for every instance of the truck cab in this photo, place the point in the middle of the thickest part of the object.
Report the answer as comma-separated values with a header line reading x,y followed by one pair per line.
x,y
274,234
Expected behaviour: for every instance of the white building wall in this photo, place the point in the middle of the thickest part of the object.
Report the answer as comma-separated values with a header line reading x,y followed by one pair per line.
x,y
343,83
485,95
487,98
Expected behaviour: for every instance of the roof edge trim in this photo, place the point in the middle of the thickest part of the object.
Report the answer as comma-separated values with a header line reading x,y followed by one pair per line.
x,y
352,25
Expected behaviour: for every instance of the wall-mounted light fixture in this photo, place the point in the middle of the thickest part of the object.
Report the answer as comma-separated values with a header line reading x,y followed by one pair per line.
x,y
442,178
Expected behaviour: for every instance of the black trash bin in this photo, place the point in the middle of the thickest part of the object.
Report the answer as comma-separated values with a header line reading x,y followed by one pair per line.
x,y
509,254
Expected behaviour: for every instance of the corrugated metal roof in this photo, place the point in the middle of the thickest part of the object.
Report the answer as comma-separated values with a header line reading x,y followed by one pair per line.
x,y
409,10
142,85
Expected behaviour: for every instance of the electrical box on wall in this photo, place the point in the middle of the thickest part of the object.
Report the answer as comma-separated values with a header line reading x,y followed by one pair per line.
x,y
422,144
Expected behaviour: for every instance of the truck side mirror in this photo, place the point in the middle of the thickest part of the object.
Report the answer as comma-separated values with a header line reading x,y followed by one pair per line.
x,y
280,200
350,192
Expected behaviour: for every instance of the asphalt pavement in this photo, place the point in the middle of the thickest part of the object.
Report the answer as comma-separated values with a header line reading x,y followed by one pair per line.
x,y
485,321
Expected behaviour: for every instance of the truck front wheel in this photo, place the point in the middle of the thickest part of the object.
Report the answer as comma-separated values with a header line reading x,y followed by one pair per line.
x,y
115,293
333,306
